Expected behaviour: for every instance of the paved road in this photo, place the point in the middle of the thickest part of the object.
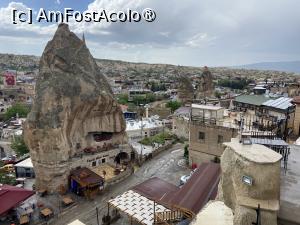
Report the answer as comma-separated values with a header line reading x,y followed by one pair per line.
x,y
165,166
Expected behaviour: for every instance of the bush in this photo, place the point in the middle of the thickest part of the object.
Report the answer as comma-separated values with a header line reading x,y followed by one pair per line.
x,y
158,138
173,105
19,146
122,99
19,109
186,151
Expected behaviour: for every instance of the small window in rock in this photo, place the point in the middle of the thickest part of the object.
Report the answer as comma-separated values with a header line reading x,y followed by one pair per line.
x,y
201,136
220,139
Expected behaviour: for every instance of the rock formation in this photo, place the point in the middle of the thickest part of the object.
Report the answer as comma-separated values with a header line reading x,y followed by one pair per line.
x,y
205,87
185,90
262,166
73,102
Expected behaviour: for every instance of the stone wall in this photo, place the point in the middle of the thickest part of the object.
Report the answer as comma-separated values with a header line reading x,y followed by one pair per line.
x,y
212,145
181,127
296,126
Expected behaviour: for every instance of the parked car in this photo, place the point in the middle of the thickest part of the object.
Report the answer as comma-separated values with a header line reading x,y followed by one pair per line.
x,y
9,160
184,179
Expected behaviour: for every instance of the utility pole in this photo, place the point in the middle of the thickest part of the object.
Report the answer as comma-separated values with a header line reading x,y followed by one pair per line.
x,y
142,126
97,216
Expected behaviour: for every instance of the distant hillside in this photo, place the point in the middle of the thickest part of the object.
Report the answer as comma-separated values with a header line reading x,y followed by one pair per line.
x,y
291,66
146,71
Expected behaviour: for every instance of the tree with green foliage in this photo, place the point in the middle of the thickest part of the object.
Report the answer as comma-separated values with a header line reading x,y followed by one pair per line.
x,y
186,151
6,178
173,105
217,94
235,83
19,146
16,109
158,138
139,99
122,99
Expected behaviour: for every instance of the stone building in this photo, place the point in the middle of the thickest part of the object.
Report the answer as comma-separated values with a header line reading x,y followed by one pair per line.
x,y
296,126
208,131
74,120
181,118
250,177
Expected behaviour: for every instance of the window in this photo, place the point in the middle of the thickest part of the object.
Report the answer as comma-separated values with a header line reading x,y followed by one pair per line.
x,y
103,160
220,139
201,136
94,163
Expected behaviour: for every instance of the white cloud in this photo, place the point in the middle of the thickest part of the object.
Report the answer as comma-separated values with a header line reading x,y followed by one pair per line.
x,y
7,27
185,32
200,40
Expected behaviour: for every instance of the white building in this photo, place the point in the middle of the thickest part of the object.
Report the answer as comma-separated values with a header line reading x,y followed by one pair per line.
x,y
138,129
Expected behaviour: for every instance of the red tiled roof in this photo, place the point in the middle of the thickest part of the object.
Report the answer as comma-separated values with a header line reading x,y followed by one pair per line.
x,y
11,196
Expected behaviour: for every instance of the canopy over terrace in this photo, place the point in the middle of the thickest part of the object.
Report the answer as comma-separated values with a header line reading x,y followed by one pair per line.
x,y
171,203
137,207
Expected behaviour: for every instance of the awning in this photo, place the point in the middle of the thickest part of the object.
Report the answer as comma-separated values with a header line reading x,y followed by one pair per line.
x,y
137,207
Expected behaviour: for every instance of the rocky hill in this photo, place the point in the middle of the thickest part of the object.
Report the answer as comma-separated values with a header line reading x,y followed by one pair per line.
x,y
116,68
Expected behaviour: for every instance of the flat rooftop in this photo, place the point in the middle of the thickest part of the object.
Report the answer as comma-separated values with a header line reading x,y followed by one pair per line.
x,y
254,152
290,188
206,107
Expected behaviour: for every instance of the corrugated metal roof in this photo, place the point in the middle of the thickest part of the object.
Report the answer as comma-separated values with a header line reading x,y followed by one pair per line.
x,y
192,196
280,103
252,99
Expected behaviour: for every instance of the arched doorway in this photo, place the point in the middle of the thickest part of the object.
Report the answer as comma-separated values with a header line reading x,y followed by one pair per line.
x,y
121,157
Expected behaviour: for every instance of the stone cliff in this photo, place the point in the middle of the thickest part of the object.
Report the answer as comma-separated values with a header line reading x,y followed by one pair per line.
x,y
73,102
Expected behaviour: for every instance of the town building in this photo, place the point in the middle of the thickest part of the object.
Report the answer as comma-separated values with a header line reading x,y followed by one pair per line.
x,y
24,169
263,112
146,127
11,197
209,128
296,126
181,118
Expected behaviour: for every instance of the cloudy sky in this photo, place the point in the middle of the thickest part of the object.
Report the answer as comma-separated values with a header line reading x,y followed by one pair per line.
x,y
189,32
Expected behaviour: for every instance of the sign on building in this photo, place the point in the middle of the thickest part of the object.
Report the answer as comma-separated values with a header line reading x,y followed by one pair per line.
x,y
9,78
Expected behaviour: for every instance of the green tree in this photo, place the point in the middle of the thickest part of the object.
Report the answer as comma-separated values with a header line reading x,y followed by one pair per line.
x,y
122,99
19,146
186,151
173,105
19,109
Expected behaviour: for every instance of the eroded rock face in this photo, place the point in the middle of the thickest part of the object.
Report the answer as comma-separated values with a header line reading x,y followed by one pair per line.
x,y
205,87
185,90
73,101
244,199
